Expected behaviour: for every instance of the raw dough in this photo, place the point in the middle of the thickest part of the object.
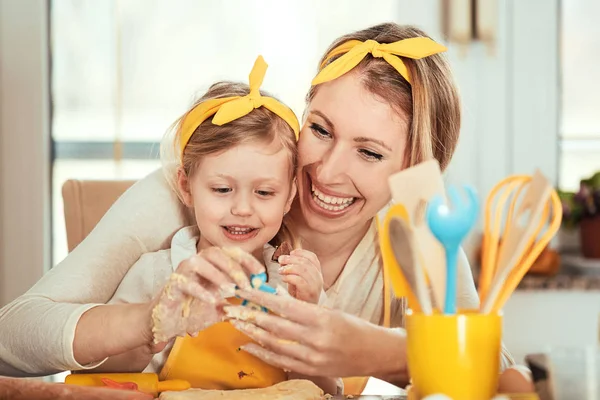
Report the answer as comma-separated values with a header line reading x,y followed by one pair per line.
x,y
295,389
178,314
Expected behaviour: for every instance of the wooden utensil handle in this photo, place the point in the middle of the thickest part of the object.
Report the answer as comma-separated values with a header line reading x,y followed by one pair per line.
x,y
27,389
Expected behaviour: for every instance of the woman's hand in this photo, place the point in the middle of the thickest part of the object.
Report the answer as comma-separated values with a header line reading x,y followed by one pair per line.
x,y
516,379
301,270
316,341
193,298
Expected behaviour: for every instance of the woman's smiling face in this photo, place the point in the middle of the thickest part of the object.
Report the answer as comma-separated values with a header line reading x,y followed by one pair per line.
x,y
351,142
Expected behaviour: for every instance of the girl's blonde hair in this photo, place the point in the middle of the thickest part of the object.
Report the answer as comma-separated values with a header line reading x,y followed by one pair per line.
x,y
430,101
260,125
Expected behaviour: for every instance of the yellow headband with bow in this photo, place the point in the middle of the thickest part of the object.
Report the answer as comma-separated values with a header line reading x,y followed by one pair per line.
x,y
228,109
355,50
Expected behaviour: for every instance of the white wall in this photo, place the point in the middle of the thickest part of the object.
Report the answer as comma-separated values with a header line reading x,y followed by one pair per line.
x,y
24,145
539,320
511,98
510,95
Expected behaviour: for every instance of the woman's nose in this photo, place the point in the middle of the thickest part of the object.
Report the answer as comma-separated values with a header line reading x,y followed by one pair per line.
x,y
332,166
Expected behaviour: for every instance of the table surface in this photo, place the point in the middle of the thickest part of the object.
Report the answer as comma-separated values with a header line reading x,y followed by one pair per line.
x,y
371,397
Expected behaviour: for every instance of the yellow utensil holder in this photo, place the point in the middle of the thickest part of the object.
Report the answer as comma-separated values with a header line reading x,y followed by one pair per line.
x,y
456,355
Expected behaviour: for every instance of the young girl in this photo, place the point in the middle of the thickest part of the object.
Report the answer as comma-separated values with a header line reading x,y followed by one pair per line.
x,y
236,160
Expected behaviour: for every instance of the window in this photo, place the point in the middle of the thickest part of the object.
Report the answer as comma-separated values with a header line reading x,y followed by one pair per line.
x,y
580,119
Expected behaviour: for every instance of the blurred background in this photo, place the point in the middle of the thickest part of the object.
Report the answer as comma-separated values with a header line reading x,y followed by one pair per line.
x,y
88,87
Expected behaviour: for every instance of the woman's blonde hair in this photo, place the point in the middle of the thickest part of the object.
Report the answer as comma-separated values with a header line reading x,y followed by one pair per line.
x,y
430,101
260,125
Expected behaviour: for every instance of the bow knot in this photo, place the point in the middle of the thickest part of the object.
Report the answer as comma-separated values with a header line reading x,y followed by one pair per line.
x,y
374,48
354,51
255,98
227,109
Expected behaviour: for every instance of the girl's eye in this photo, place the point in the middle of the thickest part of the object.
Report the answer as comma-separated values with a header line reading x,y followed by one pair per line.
x,y
319,131
221,190
265,193
371,156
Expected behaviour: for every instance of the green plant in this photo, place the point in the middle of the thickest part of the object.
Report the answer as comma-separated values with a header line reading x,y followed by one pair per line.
x,y
585,203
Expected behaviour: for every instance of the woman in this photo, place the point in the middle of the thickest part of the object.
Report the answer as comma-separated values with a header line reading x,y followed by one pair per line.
x,y
361,126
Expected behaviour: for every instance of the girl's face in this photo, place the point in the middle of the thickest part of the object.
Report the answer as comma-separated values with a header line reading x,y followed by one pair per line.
x,y
239,196
349,145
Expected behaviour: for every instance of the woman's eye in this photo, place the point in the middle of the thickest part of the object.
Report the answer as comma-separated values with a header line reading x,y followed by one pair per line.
x,y
371,156
221,190
319,131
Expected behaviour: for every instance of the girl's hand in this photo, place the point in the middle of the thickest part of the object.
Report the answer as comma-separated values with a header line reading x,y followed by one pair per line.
x,y
193,298
301,270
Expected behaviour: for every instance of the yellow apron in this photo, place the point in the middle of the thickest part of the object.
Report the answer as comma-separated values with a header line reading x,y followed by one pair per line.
x,y
212,360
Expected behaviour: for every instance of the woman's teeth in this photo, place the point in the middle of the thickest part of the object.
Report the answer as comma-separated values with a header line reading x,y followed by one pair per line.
x,y
331,203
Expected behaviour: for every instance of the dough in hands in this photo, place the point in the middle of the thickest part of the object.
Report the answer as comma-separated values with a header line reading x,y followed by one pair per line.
x,y
295,389
177,314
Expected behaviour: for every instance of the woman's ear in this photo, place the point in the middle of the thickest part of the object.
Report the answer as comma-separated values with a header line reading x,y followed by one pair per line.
x,y
183,184
290,200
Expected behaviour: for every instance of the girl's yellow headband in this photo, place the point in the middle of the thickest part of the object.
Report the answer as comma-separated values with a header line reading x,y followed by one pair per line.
x,y
228,109
355,51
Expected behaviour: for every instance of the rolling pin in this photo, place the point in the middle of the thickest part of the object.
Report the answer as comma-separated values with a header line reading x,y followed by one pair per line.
x,y
27,389
143,382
